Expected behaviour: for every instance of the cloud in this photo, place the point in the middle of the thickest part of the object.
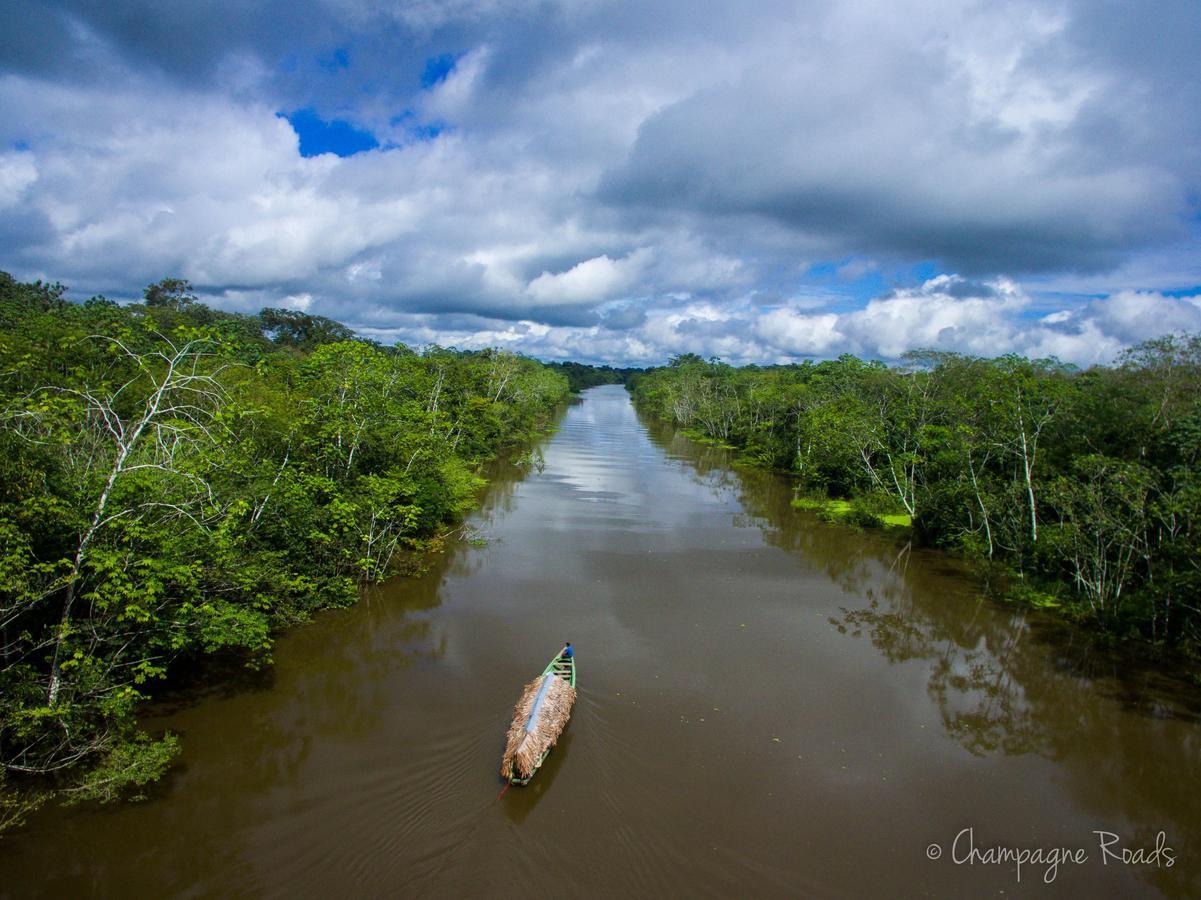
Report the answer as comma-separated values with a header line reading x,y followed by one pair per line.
x,y
18,172
980,319
1133,316
955,136
939,315
623,180
933,315
623,316
800,335
300,301
590,281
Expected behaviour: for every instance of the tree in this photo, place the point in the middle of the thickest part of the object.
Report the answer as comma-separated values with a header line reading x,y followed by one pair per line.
x,y
173,486
149,421
1102,527
170,293
293,328
1025,396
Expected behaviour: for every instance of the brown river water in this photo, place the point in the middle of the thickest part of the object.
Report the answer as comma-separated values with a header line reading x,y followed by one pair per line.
x,y
769,706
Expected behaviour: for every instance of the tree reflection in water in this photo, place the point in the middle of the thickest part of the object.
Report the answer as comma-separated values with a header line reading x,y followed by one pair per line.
x,y
972,678
1122,727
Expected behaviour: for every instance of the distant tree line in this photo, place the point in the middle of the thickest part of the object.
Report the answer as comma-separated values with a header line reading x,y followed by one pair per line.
x,y
1084,485
581,376
178,482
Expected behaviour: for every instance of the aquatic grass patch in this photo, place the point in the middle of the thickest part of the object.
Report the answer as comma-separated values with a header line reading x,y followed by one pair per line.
x,y
700,437
859,511
817,503
1022,592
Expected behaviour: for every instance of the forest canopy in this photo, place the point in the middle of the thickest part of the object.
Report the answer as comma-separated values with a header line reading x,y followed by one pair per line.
x,y
1082,484
178,483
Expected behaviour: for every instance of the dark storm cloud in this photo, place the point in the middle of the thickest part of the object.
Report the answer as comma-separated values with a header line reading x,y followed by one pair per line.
x,y
474,304
1064,167
34,39
323,54
188,40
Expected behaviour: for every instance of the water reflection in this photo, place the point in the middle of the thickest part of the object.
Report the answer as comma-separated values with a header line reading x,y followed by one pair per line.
x,y
519,804
1121,728
769,706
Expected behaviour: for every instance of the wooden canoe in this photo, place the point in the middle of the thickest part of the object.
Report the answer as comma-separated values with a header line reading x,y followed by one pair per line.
x,y
560,668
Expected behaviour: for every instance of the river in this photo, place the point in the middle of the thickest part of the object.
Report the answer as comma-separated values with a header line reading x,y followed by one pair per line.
x,y
768,706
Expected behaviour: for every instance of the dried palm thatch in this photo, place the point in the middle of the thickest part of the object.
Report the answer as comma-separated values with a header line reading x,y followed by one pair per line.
x,y
538,720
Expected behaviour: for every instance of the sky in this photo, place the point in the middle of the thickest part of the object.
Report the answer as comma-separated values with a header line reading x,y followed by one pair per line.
x,y
620,182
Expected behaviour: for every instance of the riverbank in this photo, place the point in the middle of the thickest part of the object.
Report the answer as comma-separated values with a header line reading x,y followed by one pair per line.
x,y
737,653
1082,485
179,484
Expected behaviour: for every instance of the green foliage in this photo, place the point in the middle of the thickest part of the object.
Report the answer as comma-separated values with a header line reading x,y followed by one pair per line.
x,y
172,293
174,486
1086,481
292,328
581,376
129,766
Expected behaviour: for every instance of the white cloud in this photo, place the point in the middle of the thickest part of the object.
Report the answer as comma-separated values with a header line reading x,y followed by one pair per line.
x,y
18,172
1133,316
453,96
796,334
856,269
591,281
932,316
628,181
1086,345
300,301
947,313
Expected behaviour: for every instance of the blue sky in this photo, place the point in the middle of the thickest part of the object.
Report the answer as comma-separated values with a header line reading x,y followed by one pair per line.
x,y
338,137
621,182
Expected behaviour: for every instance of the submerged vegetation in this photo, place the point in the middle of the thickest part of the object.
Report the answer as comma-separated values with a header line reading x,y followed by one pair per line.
x,y
177,483
1081,488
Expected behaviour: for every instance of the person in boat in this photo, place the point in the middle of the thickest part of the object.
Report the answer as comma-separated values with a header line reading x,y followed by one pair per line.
x,y
566,653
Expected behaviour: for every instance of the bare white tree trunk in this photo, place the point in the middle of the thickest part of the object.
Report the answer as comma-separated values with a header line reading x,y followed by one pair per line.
x,y
177,412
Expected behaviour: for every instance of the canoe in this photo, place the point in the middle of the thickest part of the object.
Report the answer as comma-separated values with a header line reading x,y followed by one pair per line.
x,y
532,719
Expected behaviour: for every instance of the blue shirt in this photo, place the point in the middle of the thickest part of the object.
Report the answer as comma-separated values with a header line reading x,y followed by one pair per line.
x,y
568,653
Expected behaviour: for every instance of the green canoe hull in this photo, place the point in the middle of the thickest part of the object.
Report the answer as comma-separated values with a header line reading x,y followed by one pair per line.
x,y
565,669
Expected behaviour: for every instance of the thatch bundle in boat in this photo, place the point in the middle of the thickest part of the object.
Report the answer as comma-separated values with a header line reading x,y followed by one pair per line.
x,y
538,720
